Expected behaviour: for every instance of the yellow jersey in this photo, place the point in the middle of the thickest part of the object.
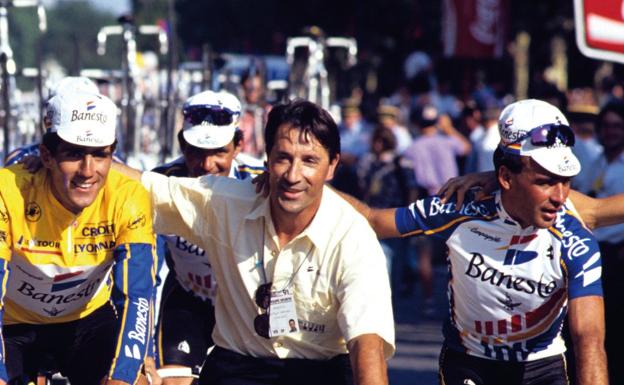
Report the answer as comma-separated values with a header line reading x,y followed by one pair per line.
x,y
56,266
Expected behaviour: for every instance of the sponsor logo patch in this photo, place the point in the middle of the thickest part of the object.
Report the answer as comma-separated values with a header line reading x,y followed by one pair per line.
x,y
33,212
138,222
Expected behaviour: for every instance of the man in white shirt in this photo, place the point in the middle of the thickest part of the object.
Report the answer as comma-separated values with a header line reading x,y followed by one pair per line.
x,y
301,253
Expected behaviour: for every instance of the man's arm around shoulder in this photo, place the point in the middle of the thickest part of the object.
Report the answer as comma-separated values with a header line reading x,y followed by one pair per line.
x,y
367,360
381,220
587,327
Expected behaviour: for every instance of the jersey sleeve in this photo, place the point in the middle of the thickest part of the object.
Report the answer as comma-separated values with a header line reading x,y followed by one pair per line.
x,y
430,216
580,256
134,272
5,257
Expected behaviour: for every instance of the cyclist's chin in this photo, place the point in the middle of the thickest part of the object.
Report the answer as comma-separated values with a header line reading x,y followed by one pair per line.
x,y
79,200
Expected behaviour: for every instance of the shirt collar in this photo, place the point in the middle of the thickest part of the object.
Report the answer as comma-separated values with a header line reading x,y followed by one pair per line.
x,y
316,231
234,173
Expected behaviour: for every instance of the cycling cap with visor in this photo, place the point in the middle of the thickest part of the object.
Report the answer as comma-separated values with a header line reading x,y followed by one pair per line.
x,y
82,118
74,84
210,119
539,130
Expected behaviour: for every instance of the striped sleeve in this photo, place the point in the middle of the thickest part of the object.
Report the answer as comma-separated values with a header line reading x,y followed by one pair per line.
x,y
430,216
580,257
133,278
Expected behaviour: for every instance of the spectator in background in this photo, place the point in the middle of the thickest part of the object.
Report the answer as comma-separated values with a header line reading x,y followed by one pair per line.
x,y
355,133
445,101
433,153
587,149
608,171
470,120
254,113
484,141
388,117
387,179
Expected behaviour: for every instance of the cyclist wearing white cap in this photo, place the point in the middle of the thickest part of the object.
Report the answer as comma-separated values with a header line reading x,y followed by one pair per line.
x,y
69,84
211,142
519,261
73,234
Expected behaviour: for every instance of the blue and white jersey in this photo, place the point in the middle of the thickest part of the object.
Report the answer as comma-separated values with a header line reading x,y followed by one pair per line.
x,y
188,261
508,287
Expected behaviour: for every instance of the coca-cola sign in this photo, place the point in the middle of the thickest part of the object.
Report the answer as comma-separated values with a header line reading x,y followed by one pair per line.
x,y
474,28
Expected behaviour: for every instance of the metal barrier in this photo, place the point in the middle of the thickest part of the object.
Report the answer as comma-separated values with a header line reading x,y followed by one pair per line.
x,y
132,100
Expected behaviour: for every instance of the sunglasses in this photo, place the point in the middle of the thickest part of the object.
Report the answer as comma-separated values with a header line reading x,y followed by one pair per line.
x,y
217,116
550,134
263,300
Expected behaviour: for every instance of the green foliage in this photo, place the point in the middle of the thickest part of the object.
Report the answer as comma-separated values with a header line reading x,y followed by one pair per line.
x,y
70,38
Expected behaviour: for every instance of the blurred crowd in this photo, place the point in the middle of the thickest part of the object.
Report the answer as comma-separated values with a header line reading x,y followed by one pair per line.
x,y
404,146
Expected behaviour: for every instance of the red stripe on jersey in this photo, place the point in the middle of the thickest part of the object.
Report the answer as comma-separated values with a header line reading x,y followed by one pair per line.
x,y
502,326
516,323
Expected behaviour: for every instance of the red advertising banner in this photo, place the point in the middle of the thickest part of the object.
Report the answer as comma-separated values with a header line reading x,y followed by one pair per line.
x,y
600,28
474,28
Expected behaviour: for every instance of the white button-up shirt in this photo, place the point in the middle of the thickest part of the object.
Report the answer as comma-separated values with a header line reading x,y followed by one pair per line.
x,y
335,268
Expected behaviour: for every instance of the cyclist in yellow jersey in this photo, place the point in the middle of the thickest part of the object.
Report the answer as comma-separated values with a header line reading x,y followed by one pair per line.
x,y
76,254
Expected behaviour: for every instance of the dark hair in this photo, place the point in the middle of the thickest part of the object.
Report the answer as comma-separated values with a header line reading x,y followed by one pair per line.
x,y
307,117
616,106
386,136
513,162
51,141
237,139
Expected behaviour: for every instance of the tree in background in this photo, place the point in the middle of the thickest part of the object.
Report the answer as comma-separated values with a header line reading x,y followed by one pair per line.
x,y
70,38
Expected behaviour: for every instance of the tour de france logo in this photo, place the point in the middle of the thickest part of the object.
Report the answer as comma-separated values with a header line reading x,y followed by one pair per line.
x,y
33,212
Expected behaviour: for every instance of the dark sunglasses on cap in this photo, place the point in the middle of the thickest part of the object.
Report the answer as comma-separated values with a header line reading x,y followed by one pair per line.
x,y
549,134
217,116
263,300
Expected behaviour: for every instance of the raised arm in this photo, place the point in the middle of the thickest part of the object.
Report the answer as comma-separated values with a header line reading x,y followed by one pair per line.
x,y
599,212
587,327
381,220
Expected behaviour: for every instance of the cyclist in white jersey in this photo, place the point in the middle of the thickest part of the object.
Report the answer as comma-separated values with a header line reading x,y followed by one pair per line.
x,y
211,144
519,262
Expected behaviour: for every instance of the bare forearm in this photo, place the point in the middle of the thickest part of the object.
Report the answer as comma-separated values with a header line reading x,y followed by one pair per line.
x,y
599,212
368,361
357,204
587,327
381,220
591,361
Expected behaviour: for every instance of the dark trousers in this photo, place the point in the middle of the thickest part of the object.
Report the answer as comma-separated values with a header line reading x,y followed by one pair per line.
x,y
81,350
613,286
461,369
225,367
